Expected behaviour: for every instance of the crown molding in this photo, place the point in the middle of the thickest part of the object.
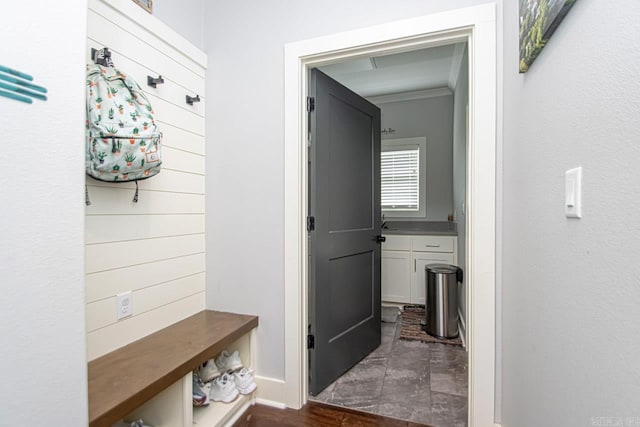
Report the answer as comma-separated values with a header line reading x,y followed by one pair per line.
x,y
410,96
456,62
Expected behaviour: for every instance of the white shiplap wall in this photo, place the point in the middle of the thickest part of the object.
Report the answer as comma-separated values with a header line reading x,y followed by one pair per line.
x,y
156,247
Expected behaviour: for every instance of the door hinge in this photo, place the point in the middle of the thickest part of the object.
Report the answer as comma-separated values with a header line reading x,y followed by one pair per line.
x,y
311,103
311,223
311,342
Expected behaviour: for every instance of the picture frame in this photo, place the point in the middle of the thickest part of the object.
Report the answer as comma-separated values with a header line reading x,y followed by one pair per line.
x,y
538,21
145,4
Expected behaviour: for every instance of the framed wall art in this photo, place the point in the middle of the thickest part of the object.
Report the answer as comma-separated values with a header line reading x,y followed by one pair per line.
x,y
538,20
145,4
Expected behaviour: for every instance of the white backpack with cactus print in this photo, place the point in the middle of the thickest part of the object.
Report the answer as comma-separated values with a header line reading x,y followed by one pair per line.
x,y
123,140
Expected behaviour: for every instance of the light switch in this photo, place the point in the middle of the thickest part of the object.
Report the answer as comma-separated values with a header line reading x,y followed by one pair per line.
x,y
573,193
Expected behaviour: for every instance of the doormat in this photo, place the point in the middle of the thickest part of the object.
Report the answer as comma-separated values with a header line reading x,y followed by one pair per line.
x,y
411,329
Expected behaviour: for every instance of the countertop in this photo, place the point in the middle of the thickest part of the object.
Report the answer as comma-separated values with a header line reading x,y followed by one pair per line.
x,y
418,232
421,228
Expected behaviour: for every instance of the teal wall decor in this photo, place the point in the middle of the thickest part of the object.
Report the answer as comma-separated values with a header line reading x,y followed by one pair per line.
x,y
17,85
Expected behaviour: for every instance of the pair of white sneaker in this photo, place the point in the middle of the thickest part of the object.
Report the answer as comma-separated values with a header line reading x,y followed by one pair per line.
x,y
227,376
213,368
228,386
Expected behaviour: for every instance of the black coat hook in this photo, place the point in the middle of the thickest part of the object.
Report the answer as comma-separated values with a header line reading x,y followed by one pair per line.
x,y
191,99
153,82
102,57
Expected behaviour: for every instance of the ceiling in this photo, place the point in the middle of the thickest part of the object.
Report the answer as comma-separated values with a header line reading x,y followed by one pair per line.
x,y
436,67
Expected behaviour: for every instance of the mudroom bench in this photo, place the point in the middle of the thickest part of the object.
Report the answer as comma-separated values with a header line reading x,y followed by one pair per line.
x,y
151,378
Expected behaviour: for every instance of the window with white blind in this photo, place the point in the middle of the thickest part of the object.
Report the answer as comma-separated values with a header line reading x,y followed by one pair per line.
x,y
402,173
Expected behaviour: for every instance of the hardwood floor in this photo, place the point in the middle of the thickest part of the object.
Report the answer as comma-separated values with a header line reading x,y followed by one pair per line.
x,y
316,414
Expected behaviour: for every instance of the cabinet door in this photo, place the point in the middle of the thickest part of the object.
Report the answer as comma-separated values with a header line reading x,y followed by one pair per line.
x,y
396,281
420,260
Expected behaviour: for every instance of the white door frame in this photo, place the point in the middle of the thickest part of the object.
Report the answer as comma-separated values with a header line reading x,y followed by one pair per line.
x,y
477,26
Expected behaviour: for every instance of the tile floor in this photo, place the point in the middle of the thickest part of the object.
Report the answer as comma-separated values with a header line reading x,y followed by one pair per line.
x,y
409,380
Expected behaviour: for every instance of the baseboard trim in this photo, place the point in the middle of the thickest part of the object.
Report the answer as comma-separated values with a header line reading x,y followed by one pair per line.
x,y
398,305
462,329
238,413
271,392
271,403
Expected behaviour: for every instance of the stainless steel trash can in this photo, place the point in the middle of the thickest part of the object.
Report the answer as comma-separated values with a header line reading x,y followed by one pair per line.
x,y
441,314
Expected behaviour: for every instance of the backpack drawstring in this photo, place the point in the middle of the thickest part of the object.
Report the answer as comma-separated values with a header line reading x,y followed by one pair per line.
x,y
88,202
135,197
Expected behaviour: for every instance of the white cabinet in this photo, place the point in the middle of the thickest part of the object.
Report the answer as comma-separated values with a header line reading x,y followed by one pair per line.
x,y
396,243
396,280
403,261
433,244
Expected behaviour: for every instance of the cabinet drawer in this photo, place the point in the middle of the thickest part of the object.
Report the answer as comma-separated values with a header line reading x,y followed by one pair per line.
x,y
433,243
396,243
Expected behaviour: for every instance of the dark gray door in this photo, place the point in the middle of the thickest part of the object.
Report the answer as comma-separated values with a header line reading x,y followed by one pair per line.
x,y
344,297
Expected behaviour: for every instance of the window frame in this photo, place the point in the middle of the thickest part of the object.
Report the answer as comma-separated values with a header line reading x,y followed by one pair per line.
x,y
409,144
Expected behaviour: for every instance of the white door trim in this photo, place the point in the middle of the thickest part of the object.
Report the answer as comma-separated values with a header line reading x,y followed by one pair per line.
x,y
477,26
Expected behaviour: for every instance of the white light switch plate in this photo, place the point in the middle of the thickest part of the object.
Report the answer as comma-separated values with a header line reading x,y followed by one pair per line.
x,y
573,193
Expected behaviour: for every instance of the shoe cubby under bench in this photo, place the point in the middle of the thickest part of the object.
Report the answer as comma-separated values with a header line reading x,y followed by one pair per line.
x,y
151,378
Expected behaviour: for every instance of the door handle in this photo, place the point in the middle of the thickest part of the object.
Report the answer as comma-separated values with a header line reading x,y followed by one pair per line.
x,y
380,239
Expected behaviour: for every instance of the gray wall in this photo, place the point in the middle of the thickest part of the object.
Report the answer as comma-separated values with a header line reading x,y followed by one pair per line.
x,y
42,308
460,102
245,124
186,17
433,118
571,287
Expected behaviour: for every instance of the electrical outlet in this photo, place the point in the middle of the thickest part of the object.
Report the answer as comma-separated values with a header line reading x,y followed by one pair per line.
x,y
124,305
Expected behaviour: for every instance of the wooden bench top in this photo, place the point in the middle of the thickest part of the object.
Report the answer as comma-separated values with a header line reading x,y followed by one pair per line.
x,y
124,379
